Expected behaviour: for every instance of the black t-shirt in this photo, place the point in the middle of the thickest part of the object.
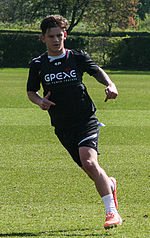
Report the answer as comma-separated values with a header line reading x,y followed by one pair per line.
x,y
63,78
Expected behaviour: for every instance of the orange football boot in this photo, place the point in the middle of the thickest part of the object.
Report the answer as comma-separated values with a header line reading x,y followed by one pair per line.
x,y
112,220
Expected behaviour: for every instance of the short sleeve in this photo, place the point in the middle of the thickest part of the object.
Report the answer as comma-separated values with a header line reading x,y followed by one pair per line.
x,y
85,62
33,83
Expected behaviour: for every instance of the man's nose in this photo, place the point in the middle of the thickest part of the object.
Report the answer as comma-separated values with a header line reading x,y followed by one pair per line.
x,y
56,38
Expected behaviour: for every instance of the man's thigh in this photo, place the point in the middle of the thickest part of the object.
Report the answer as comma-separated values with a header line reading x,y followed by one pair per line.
x,y
75,140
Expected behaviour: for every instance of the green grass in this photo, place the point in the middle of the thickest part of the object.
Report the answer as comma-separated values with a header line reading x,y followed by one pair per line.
x,y
43,193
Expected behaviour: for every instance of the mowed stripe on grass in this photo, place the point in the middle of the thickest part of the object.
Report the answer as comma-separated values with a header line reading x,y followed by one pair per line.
x,y
43,193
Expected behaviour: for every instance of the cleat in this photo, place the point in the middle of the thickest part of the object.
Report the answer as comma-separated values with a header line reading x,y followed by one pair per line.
x,y
112,220
114,192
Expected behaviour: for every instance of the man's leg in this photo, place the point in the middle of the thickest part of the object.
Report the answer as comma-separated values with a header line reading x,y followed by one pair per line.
x,y
90,165
86,157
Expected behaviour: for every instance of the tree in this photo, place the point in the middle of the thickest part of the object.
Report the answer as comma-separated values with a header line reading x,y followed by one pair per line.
x,y
102,14
30,11
105,14
143,8
15,10
72,10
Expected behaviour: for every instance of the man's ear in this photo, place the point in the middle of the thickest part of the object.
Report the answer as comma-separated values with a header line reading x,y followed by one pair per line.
x,y
65,35
42,38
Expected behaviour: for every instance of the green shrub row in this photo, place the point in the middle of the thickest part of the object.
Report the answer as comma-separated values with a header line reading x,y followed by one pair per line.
x,y
100,47
131,53
18,49
112,34
89,33
118,52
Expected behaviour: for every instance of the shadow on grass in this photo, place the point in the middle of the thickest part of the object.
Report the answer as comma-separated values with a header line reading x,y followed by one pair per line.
x,y
57,233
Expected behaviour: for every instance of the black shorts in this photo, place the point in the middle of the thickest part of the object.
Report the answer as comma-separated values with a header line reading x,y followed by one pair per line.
x,y
85,135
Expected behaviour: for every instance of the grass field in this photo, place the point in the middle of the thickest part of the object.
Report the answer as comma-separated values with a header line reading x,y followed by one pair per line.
x,y
43,193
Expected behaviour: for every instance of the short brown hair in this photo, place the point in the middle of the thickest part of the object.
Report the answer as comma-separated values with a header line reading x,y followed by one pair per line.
x,y
53,21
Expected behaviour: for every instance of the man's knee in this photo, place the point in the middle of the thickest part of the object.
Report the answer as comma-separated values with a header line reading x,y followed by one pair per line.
x,y
88,157
88,164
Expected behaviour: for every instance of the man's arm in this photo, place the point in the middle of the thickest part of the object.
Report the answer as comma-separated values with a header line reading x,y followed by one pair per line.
x,y
43,103
111,90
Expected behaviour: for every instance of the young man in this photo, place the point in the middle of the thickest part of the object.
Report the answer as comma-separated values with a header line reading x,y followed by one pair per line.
x,y
71,110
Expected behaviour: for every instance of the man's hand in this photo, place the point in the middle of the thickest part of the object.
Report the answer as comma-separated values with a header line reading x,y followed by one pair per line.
x,y
45,104
111,92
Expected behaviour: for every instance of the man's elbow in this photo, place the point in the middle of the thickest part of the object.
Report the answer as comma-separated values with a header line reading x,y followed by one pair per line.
x,y
30,94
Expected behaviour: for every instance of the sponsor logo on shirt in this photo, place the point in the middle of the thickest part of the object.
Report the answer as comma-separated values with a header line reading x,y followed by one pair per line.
x,y
60,77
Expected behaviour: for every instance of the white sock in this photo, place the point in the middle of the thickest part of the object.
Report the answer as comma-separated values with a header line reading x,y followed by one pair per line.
x,y
109,203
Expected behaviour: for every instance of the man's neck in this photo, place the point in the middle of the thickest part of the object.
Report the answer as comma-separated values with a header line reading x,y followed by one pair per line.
x,y
52,58
54,54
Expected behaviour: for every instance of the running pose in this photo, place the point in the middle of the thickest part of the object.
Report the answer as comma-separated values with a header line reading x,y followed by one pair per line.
x,y
70,107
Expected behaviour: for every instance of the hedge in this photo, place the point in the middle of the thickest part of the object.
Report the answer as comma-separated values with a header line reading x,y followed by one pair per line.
x,y
89,33
100,47
18,49
112,34
131,53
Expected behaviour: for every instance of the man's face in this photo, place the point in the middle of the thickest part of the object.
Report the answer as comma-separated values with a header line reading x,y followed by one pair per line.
x,y
54,40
